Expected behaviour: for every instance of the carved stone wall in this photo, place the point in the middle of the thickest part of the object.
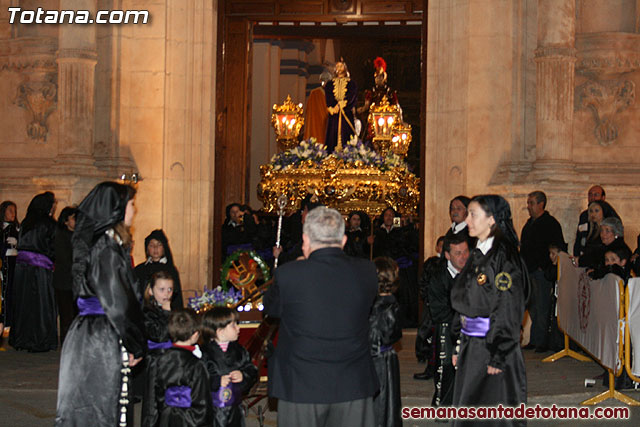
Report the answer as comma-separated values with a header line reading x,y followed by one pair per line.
x,y
560,129
85,103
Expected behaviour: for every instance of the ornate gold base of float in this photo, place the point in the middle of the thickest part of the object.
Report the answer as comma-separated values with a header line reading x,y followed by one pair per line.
x,y
345,186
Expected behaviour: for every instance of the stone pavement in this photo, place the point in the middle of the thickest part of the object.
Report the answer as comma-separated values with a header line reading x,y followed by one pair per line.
x,y
29,381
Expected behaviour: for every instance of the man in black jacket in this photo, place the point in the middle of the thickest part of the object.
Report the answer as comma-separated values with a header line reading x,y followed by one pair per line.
x,y
540,231
322,371
456,254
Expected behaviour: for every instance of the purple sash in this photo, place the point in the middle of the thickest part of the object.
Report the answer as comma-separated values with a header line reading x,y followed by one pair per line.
x,y
158,345
178,396
404,262
34,259
226,396
385,348
89,306
475,326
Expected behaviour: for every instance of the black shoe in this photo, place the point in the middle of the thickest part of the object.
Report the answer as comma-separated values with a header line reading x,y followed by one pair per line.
x,y
529,347
426,375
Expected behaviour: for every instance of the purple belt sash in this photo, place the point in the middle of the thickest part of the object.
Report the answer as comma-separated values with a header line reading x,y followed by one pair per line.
x,y
178,396
89,306
475,326
385,348
158,345
35,259
226,396
404,262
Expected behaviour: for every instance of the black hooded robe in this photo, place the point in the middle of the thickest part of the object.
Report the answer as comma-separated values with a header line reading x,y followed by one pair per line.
x,y
34,317
384,331
94,377
221,363
177,367
477,293
145,270
9,229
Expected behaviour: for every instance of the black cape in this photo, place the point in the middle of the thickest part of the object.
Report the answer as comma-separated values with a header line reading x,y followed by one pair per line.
x,y
221,363
439,292
9,229
177,367
34,317
90,365
145,270
477,293
383,333
93,374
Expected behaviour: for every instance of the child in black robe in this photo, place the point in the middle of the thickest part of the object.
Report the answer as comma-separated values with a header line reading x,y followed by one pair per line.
x,y
384,331
157,308
178,392
230,369
159,258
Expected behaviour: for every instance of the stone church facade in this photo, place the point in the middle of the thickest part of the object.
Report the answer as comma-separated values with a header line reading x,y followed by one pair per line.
x,y
519,95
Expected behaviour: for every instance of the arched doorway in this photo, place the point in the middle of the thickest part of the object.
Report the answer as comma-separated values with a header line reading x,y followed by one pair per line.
x,y
238,21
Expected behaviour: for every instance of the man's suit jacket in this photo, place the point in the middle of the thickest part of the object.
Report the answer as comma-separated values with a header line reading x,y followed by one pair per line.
x,y
323,351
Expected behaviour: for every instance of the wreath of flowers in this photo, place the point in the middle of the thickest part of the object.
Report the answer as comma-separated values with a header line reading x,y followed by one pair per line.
x,y
224,275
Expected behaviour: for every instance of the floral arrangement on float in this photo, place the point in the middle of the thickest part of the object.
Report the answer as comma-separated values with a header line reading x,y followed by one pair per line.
x,y
354,154
354,177
216,297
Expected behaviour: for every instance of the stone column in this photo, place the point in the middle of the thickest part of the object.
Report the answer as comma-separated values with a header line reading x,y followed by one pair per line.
x,y
77,57
555,59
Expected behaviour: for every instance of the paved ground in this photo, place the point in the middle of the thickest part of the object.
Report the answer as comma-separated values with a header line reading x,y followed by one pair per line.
x,y
29,381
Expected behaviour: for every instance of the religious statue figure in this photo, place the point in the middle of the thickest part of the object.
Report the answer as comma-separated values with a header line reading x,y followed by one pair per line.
x,y
376,95
341,95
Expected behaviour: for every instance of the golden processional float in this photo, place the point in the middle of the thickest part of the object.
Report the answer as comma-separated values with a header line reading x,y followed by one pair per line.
x,y
354,177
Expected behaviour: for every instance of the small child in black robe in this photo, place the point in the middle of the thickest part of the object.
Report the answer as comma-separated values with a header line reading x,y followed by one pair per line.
x,y
384,331
178,392
157,308
230,369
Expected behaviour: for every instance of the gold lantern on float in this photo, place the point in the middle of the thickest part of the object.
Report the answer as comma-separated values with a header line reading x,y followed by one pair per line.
x,y
287,120
383,118
401,139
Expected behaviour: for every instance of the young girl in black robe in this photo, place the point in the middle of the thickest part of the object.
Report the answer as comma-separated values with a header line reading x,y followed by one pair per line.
x,y
490,296
384,331
178,392
107,337
159,257
157,308
229,365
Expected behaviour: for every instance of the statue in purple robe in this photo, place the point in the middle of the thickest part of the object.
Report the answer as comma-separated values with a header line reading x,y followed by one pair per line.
x,y
341,95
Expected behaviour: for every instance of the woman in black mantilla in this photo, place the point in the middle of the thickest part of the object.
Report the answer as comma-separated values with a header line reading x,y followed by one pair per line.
x,y
107,337
490,296
34,326
159,258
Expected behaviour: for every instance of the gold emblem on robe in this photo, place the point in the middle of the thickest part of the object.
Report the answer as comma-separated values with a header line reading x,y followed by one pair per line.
x,y
503,281
482,279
